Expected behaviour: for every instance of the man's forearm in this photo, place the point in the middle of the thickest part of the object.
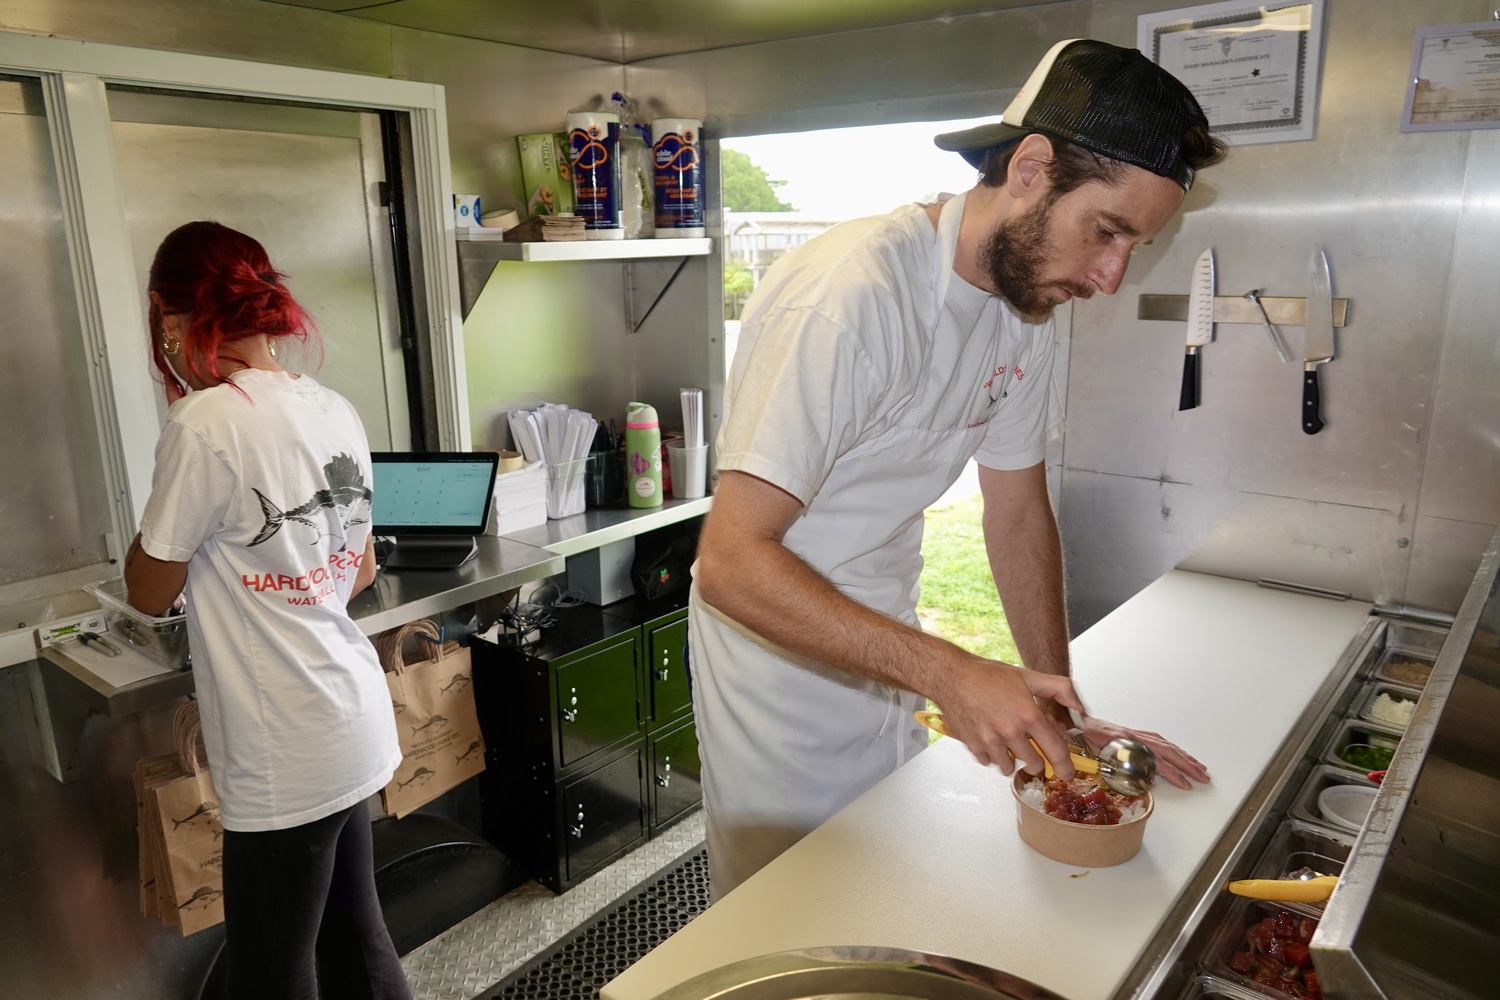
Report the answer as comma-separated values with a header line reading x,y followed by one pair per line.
x,y
1025,555
766,588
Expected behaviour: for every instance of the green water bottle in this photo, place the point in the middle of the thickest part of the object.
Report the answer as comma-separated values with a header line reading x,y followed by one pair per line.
x,y
642,456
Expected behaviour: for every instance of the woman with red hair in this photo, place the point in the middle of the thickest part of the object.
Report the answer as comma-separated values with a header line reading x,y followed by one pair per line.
x,y
259,516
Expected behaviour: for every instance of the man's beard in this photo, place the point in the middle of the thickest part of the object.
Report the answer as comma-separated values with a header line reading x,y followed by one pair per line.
x,y
1015,255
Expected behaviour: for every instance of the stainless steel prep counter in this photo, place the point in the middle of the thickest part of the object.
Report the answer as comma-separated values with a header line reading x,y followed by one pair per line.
x,y
929,859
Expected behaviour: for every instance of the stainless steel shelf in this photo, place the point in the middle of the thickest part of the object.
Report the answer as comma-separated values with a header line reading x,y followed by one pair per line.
x,y
496,250
399,596
569,536
477,258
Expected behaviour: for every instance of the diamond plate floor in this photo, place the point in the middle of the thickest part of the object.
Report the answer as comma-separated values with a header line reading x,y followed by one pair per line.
x,y
486,948
580,964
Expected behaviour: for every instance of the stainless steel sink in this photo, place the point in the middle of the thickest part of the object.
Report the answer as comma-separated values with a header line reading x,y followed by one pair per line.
x,y
851,973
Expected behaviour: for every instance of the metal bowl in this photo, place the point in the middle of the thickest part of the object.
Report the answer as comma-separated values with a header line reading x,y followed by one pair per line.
x,y
851,973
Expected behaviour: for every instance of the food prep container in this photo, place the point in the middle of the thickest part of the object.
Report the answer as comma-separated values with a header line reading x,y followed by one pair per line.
x,y
1354,731
1076,843
1299,845
1229,939
1367,703
1406,642
1305,806
1206,987
162,638
1398,669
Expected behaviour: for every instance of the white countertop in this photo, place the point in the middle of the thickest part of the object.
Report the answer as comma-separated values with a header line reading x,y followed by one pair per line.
x,y
929,860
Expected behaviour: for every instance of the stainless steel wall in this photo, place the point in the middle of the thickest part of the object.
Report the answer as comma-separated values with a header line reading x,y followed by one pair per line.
x,y
1395,499
54,479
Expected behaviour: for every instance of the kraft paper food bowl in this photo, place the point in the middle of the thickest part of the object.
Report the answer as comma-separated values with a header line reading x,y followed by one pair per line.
x,y
1075,843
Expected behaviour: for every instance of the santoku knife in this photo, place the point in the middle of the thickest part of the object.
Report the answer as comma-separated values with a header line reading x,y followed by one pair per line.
x,y
1200,326
1318,343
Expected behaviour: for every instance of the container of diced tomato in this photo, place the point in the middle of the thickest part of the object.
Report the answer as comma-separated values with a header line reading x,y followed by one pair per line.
x,y
1264,947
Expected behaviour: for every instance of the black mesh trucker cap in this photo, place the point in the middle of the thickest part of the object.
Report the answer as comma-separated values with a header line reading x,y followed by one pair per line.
x,y
1109,100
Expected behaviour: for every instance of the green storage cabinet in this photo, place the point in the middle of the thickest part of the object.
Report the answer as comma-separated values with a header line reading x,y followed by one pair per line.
x,y
676,784
563,722
664,625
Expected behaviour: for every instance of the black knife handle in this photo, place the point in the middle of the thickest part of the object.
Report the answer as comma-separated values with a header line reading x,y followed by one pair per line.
x,y
1312,402
1189,398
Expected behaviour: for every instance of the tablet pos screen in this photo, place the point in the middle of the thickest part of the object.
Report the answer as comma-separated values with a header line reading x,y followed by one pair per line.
x,y
432,492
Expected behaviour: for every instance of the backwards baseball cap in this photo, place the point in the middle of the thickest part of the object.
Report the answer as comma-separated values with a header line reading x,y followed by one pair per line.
x,y
1109,100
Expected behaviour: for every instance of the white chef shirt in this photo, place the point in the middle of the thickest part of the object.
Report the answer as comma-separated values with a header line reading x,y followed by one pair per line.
x,y
839,374
867,375
263,488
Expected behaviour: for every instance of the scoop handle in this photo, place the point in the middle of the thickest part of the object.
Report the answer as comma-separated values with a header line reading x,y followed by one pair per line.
x,y
1082,764
1285,890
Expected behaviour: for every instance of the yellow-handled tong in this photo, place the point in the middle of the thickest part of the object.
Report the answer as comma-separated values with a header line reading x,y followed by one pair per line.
x,y
1285,890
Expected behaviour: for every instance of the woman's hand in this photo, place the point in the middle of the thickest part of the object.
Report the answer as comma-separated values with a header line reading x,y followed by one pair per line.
x,y
1173,763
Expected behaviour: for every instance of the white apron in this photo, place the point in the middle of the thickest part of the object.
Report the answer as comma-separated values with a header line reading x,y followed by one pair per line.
x,y
787,742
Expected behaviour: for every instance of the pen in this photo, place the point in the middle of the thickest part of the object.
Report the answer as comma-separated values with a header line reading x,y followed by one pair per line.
x,y
96,641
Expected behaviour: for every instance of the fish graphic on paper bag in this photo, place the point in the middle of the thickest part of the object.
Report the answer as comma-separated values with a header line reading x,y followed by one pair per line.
x,y
436,720
422,774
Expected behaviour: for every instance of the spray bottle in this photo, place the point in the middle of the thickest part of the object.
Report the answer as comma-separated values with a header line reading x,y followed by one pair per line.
x,y
642,456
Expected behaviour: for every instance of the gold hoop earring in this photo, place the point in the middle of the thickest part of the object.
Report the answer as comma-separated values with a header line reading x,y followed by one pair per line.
x,y
272,345
170,346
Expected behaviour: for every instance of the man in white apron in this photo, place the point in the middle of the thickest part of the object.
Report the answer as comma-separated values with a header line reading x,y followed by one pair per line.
x,y
874,362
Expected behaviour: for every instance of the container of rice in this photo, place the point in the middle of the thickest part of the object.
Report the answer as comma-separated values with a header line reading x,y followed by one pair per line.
x,y
1095,843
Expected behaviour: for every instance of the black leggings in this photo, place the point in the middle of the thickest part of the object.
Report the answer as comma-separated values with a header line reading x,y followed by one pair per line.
x,y
301,918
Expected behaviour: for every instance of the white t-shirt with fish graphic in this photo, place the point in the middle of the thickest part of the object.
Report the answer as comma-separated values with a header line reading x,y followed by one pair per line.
x,y
266,496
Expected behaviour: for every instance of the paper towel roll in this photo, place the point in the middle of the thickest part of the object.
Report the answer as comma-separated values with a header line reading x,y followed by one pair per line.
x,y
593,152
679,177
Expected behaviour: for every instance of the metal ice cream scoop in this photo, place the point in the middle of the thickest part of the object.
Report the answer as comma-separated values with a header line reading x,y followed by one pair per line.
x,y
1126,766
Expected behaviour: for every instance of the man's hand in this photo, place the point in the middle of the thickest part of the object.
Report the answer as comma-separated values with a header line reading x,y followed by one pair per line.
x,y
1173,763
992,708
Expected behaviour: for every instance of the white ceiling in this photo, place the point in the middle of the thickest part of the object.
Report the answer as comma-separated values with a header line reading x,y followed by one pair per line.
x,y
627,31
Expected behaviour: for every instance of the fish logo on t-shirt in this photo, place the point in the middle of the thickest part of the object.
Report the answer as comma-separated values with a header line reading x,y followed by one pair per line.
x,y
347,496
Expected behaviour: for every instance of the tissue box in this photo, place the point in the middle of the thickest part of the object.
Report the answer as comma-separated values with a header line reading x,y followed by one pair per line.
x,y
545,175
465,210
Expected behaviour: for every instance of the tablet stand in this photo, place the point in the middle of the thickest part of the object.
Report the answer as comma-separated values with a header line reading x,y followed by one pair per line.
x,y
431,551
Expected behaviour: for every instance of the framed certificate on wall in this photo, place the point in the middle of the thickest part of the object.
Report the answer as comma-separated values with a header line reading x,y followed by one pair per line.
x,y
1253,67
1455,78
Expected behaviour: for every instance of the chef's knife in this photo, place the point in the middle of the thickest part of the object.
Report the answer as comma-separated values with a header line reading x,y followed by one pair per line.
x,y
1318,343
1200,326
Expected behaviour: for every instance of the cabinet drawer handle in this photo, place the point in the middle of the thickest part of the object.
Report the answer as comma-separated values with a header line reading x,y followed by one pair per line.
x,y
576,831
569,714
664,780
661,674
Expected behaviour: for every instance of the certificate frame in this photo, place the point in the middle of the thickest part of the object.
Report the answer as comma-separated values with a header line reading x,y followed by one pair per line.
x,y
1434,57
1261,85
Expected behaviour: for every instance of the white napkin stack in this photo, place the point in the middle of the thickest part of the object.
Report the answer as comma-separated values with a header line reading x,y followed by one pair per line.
x,y
560,437
692,418
520,500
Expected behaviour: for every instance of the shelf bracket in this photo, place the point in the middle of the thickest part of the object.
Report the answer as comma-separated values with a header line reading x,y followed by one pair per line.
x,y
636,324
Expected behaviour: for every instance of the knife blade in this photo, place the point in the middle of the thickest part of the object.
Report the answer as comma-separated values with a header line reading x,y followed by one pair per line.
x,y
1200,326
1317,346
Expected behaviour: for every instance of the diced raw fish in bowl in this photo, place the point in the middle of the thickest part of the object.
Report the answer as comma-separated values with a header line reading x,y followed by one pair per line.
x,y
1079,822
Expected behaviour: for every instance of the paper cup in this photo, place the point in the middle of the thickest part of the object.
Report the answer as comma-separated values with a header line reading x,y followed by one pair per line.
x,y
689,471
